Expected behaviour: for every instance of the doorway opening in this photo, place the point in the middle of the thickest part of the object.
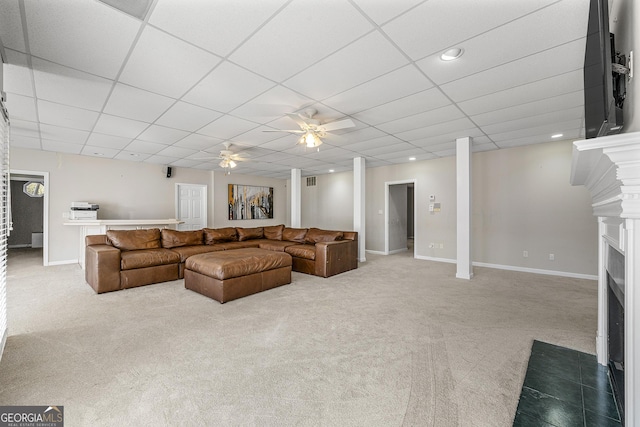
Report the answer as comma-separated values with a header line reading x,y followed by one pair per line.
x,y
400,217
29,192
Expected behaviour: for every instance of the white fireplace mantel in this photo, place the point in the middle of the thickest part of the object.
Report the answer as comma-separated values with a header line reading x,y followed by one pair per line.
x,y
609,167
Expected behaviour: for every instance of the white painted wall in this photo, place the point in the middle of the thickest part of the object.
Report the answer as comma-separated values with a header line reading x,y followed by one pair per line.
x,y
328,204
127,190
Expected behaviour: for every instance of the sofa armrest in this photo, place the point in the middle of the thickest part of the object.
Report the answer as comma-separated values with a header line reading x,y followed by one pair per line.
x,y
102,267
336,257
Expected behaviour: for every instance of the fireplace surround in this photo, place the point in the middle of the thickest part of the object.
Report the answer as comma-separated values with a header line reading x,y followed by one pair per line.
x,y
609,167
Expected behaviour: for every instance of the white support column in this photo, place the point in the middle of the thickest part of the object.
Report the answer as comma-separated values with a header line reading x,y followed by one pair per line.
x,y
602,334
296,198
359,217
464,269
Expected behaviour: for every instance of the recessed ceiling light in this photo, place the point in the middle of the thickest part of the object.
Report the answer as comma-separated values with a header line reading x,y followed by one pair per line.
x,y
412,158
557,135
331,170
451,54
98,154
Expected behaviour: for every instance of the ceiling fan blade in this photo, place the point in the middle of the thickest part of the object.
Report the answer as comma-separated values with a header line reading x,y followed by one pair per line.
x,y
298,119
340,124
283,130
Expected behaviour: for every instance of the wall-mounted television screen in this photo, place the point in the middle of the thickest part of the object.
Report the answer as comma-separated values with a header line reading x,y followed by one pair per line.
x,y
604,89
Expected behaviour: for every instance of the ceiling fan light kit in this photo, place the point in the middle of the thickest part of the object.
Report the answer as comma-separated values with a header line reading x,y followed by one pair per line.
x,y
311,129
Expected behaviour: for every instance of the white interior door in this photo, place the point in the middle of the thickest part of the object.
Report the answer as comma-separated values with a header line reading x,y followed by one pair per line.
x,y
191,206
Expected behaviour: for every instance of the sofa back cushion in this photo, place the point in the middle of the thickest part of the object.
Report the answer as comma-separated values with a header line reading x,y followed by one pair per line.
x,y
176,239
294,234
131,240
219,235
250,233
315,235
273,232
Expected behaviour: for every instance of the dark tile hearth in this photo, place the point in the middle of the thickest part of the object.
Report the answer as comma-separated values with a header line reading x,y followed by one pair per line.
x,y
565,388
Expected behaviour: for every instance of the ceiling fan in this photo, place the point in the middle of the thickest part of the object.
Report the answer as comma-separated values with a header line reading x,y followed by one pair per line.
x,y
228,159
311,129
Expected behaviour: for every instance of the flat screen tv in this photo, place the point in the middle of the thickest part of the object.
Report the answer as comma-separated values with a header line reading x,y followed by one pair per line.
x,y
604,89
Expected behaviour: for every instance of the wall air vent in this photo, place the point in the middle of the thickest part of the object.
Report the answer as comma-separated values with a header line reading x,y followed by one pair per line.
x,y
311,181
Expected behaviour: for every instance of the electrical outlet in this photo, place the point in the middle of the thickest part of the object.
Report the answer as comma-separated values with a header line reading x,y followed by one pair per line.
x,y
525,254
441,245
552,257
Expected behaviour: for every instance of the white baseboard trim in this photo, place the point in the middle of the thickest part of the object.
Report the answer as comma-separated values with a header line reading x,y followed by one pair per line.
x,y
397,251
64,262
376,252
514,268
537,271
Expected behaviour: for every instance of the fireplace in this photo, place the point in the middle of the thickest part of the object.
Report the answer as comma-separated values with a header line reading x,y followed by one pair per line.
x,y
609,168
615,323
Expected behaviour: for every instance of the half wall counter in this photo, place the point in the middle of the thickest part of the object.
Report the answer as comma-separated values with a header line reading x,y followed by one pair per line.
x,y
100,226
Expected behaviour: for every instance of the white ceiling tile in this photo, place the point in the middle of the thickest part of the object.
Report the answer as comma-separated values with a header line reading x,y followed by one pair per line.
x,y
161,134
539,90
405,81
557,103
562,59
25,128
61,146
430,141
163,64
361,61
65,116
196,141
21,107
559,23
137,146
445,153
536,139
383,11
64,85
161,160
178,152
438,24
22,141
11,31
420,120
108,141
57,133
287,44
216,26
384,149
273,104
187,117
104,152
545,129
119,126
88,36
17,75
425,100
282,143
534,121
131,156
138,104
227,127
227,87
436,129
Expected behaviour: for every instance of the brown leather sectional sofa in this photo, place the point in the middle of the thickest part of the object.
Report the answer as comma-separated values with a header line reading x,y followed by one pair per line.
x,y
124,259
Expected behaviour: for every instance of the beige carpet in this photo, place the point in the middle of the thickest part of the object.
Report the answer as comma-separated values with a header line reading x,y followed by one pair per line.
x,y
397,342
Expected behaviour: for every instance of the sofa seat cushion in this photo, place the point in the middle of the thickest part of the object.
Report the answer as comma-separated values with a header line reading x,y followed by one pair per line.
x,y
237,263
239,245
187,251
147,258
302,251
275,245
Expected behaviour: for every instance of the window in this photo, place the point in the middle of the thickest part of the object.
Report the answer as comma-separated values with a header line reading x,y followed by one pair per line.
x,y
33,189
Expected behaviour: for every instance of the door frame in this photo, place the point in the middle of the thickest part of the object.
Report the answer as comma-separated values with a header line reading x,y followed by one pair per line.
x,y
386,213
45,206
204,208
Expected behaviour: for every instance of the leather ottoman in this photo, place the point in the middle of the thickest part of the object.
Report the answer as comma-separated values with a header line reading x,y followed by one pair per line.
x,y
228,275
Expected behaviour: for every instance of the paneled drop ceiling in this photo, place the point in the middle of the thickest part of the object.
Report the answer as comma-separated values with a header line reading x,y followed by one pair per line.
x,y
84,77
